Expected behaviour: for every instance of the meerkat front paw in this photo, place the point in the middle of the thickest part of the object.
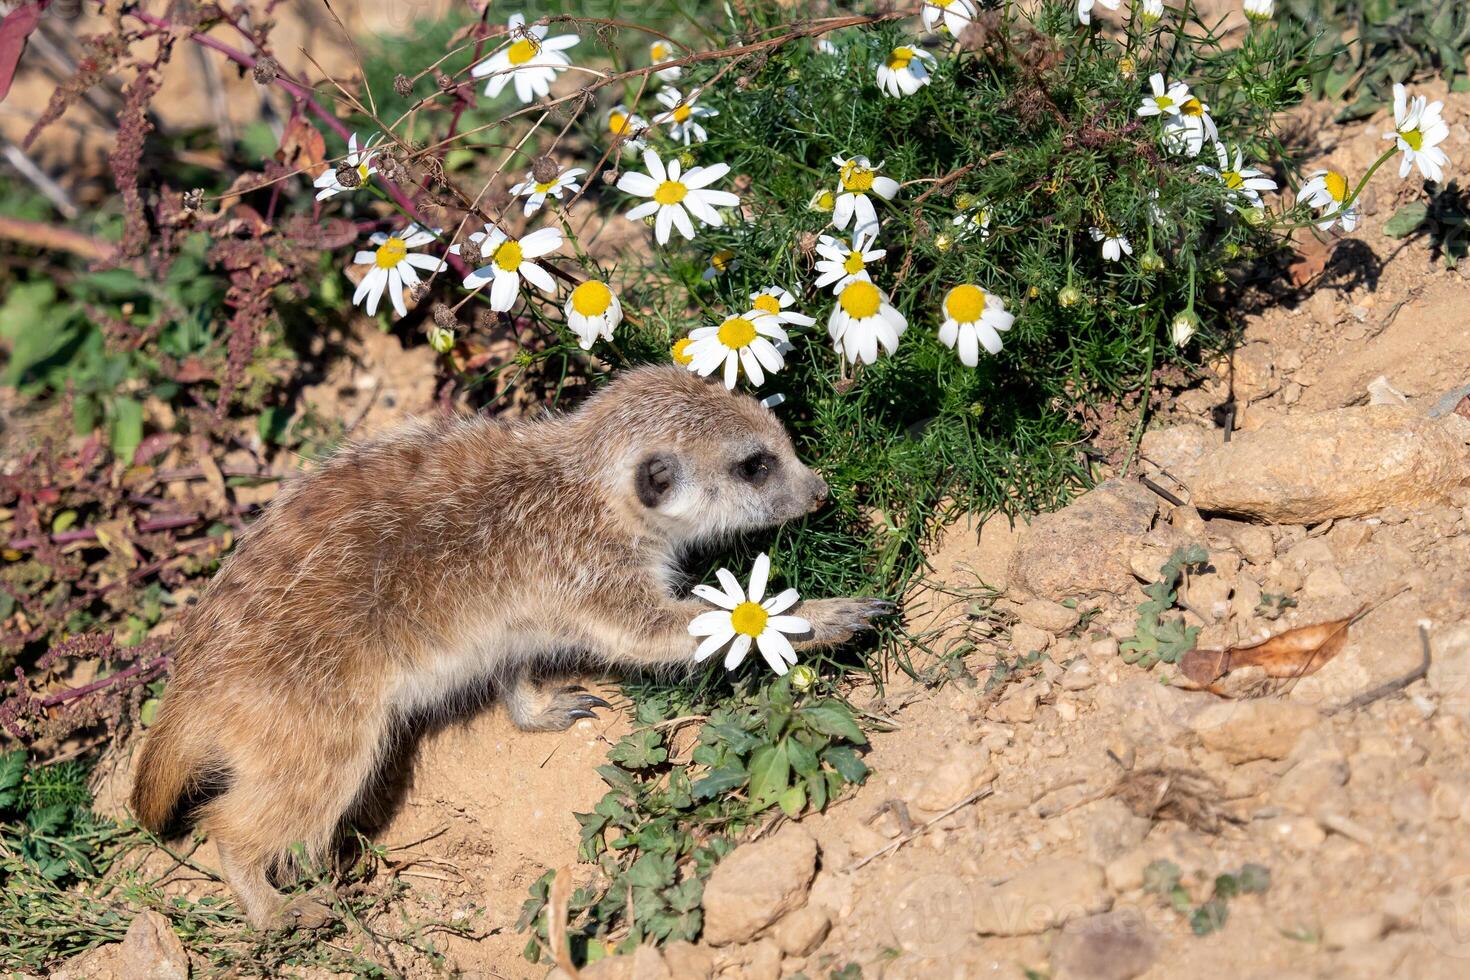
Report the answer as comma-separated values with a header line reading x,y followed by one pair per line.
x,y
310,911
837,620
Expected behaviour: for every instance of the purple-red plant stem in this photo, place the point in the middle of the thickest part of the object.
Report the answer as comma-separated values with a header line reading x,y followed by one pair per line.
x,y
302,94
171,523
152,668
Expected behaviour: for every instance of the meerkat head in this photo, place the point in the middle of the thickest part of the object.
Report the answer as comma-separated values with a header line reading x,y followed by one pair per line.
x,y
700,463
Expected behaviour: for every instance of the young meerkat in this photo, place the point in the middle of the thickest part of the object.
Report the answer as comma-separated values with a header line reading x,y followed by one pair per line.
x,y
429,562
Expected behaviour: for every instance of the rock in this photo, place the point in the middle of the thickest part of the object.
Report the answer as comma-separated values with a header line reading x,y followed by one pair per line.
x,y
1252,541
1079,676
1047,615
1111,946
1307,784
1348,462
1041,897
151,951
1449,668
1110,829
1253,376
101,963
1177,447
1018,707
1028,639
1245,730
1325,582
963,770
757,884
1082,549
763,962
1355,930
686,960
802,931
1301,834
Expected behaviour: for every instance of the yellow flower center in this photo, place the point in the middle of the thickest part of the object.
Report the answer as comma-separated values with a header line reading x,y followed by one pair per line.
x,y
670,192
1413,137
1163,102
965,303
680,352
1191,107
900,58
545,185
749,618
1233,179
736,332
591,298
523,51
860,299
853,264
362,171
617,122
767,303
508,255
658,51
390,253
1336,185
681,113
825,201
856,178
720,261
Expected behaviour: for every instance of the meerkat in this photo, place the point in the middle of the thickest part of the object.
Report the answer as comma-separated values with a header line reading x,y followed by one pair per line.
x,y
446,556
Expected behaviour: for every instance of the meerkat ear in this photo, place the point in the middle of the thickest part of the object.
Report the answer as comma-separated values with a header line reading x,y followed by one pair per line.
x,y
655,477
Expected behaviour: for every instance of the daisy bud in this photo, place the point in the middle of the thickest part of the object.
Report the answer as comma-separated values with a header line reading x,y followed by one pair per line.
x,y
544,170
347,175
943,242
680,352
1255,217
1069,297
1260,10
686,159
266,70
823,201
650,219
1183,327
802,678
441,340
1033,293
402,85
1151,261
1128,69
965,202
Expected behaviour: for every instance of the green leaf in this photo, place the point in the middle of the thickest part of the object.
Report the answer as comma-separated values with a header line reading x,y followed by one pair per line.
x,y
640,750
126,428
844,759
803,758
1406,220
1209,917
148,712
770,774
833,718
719,782
1254,879
793,800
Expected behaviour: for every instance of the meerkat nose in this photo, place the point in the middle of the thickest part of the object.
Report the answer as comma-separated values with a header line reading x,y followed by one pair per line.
x,y
819,491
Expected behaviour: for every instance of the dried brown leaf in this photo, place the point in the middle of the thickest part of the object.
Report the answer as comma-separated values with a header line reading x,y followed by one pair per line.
x,y
1294,653
1312,257
558,902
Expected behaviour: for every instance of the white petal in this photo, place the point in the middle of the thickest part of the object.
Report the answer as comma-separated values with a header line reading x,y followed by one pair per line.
x,y
711,622
774,648
760,571
537,277
541,242
781,602
655,166
794,625
738,650
635,183
503,291
711,594
731,585
710,645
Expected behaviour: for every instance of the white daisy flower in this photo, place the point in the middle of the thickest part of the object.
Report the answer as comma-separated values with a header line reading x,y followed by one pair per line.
x,y
1245,183
628,125
683,115
532,60
508,262
719,263
1260,9
841,263
593,311
743,341
659,52
825,46
1084,8
905,71
1326,191
680,351
1151,11
857,177
774,301
1182,327
1187,130
861,320
1113,244
973,318
971,221
537,191
676,196
1165,100
358,158
749,619
394,267
1419,129
956,15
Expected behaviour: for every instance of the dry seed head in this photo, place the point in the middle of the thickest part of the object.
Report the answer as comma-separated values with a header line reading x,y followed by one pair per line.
x,y
544,170
610,176
444,316
266,70
418,291
347,175
469,250
403,85
445,82
193,200
807,243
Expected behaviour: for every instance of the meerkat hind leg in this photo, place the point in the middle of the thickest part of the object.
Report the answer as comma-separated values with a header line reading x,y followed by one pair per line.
x,y
533,709
265,907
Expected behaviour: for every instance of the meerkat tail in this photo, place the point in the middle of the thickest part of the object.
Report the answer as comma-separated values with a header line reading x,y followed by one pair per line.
x,y
167,771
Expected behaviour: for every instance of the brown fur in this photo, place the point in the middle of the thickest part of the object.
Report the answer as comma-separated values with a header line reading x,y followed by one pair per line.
x,y
424,564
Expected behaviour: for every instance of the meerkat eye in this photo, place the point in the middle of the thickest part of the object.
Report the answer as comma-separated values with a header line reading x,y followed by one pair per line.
x,y
756,468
